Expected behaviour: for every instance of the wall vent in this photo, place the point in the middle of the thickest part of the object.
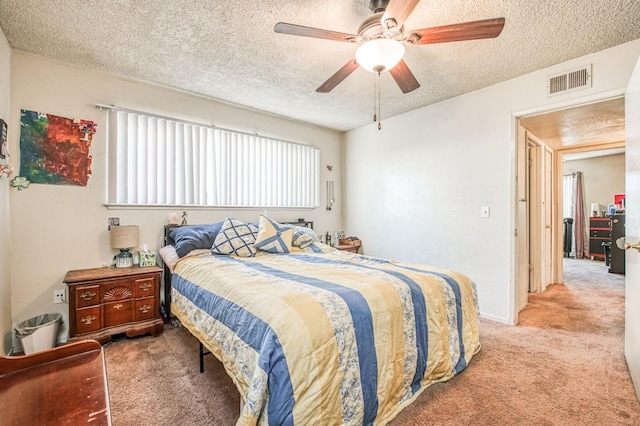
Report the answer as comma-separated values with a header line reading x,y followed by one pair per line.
x,y
569,81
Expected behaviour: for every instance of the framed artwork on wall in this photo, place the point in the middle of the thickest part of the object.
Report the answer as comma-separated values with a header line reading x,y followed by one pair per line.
x,y
55,150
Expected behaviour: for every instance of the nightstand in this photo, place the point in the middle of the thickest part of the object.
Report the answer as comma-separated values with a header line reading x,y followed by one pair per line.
x,y
108,301
346,244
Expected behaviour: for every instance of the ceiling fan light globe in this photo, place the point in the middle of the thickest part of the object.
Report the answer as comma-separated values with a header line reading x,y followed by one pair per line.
x,y
380,54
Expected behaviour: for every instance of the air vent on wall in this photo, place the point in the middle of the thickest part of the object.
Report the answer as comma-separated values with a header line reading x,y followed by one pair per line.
x,y
569,81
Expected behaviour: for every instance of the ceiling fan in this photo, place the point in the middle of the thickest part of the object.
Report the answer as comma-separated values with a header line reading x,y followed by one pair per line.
x,y
382,38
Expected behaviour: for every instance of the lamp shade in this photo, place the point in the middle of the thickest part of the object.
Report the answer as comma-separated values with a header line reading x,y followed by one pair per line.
x,y
595,208
380,54
124,237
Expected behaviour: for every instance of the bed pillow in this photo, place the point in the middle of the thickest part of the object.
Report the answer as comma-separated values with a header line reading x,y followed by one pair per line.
x,y
304,237
273,237
187,238
169,257
235,237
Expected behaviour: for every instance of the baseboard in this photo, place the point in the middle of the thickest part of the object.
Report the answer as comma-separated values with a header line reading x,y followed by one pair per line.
x,y
494,318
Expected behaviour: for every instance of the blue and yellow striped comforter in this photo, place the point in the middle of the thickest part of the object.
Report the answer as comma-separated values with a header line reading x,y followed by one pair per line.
x,y
327,338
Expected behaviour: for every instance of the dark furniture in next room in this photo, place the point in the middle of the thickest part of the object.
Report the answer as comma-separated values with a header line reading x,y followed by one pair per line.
x,y
599,232
617,265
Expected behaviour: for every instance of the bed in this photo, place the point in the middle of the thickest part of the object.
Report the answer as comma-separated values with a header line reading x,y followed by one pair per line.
x,y
321,336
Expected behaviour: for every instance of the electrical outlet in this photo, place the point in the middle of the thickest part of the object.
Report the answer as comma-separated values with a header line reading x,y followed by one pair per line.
x,y
59,296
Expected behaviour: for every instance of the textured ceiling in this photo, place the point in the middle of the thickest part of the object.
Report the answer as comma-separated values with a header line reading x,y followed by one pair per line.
x,y
228,50
586,125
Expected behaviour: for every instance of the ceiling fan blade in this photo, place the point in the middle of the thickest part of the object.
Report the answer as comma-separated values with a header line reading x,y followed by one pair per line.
x,y
404,77
397,12
488,28
299,30
337,78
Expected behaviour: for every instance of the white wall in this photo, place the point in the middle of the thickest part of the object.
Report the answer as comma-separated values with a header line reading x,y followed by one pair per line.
x,y
603,177
414,189
59,228
5,230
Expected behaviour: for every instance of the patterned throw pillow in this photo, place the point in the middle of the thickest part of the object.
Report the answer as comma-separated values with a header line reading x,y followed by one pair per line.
x,y
273,237
235,237
304,237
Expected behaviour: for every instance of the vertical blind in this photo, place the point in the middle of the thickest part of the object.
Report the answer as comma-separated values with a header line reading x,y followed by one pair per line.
x,y
162,162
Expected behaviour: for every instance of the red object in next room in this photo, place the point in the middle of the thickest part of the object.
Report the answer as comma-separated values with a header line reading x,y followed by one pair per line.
x,y
619,199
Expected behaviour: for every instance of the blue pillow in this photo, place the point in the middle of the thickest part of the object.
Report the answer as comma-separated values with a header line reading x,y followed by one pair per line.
x,y
304,237
193,237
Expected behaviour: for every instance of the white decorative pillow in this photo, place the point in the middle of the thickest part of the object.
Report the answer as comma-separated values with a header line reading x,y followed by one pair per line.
x,y
235,237
304,237
273,237
169,257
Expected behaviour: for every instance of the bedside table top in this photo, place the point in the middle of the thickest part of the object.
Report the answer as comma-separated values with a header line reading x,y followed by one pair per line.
x,y
81,275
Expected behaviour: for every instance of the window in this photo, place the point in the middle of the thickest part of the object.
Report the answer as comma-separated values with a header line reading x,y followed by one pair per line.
x,y
155,161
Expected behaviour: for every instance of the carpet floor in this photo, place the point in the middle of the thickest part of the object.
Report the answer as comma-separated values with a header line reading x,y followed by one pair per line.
x,y
563,364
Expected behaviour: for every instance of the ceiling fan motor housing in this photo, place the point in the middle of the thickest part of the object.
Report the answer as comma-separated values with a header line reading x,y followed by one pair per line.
x,y
378,5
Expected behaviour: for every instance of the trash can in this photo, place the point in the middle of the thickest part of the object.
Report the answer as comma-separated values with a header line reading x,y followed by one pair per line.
x,y
568,236
38,333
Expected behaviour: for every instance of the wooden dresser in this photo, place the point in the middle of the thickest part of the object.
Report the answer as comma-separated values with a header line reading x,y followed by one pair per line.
x,y
108,301
599,232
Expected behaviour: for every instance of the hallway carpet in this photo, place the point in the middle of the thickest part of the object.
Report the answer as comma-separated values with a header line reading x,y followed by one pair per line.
x,y
563,364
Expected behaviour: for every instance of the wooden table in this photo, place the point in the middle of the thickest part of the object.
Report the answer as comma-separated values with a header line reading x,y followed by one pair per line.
x,y
65,385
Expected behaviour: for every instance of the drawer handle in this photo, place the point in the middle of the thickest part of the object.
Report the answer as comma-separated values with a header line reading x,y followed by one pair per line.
x,y
145,286
88,319
118,306
144,308
87,295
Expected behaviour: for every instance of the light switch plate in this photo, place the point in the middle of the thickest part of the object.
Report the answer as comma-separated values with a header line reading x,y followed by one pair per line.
x,y
484,211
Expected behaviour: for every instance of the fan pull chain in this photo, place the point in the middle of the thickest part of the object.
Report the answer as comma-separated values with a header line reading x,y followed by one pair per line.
x,y
379,115
376,99
375,115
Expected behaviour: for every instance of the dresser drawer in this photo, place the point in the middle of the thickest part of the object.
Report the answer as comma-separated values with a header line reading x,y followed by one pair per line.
x,y
116,313
595,246
88,319
119,290
87,295
145,308
144,287
600,233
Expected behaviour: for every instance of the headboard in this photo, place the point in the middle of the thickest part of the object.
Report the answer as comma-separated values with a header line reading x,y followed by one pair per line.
x,y
165,308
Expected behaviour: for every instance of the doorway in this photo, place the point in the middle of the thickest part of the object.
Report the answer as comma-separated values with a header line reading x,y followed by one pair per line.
x,y
543,140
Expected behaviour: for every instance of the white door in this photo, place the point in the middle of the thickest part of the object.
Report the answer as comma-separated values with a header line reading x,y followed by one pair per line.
x,y
534,220
547,201
522,234
632,228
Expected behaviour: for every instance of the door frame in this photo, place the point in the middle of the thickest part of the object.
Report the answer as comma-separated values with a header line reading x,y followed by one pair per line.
x,y
518,202
535,195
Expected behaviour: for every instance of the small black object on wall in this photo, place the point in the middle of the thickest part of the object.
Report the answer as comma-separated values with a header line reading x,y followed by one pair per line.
x,y
3,140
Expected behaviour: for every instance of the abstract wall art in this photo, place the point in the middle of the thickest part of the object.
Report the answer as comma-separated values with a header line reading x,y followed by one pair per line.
x,y
55,150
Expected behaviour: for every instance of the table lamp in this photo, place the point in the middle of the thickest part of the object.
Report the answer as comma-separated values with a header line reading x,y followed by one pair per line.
x,y
124,238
